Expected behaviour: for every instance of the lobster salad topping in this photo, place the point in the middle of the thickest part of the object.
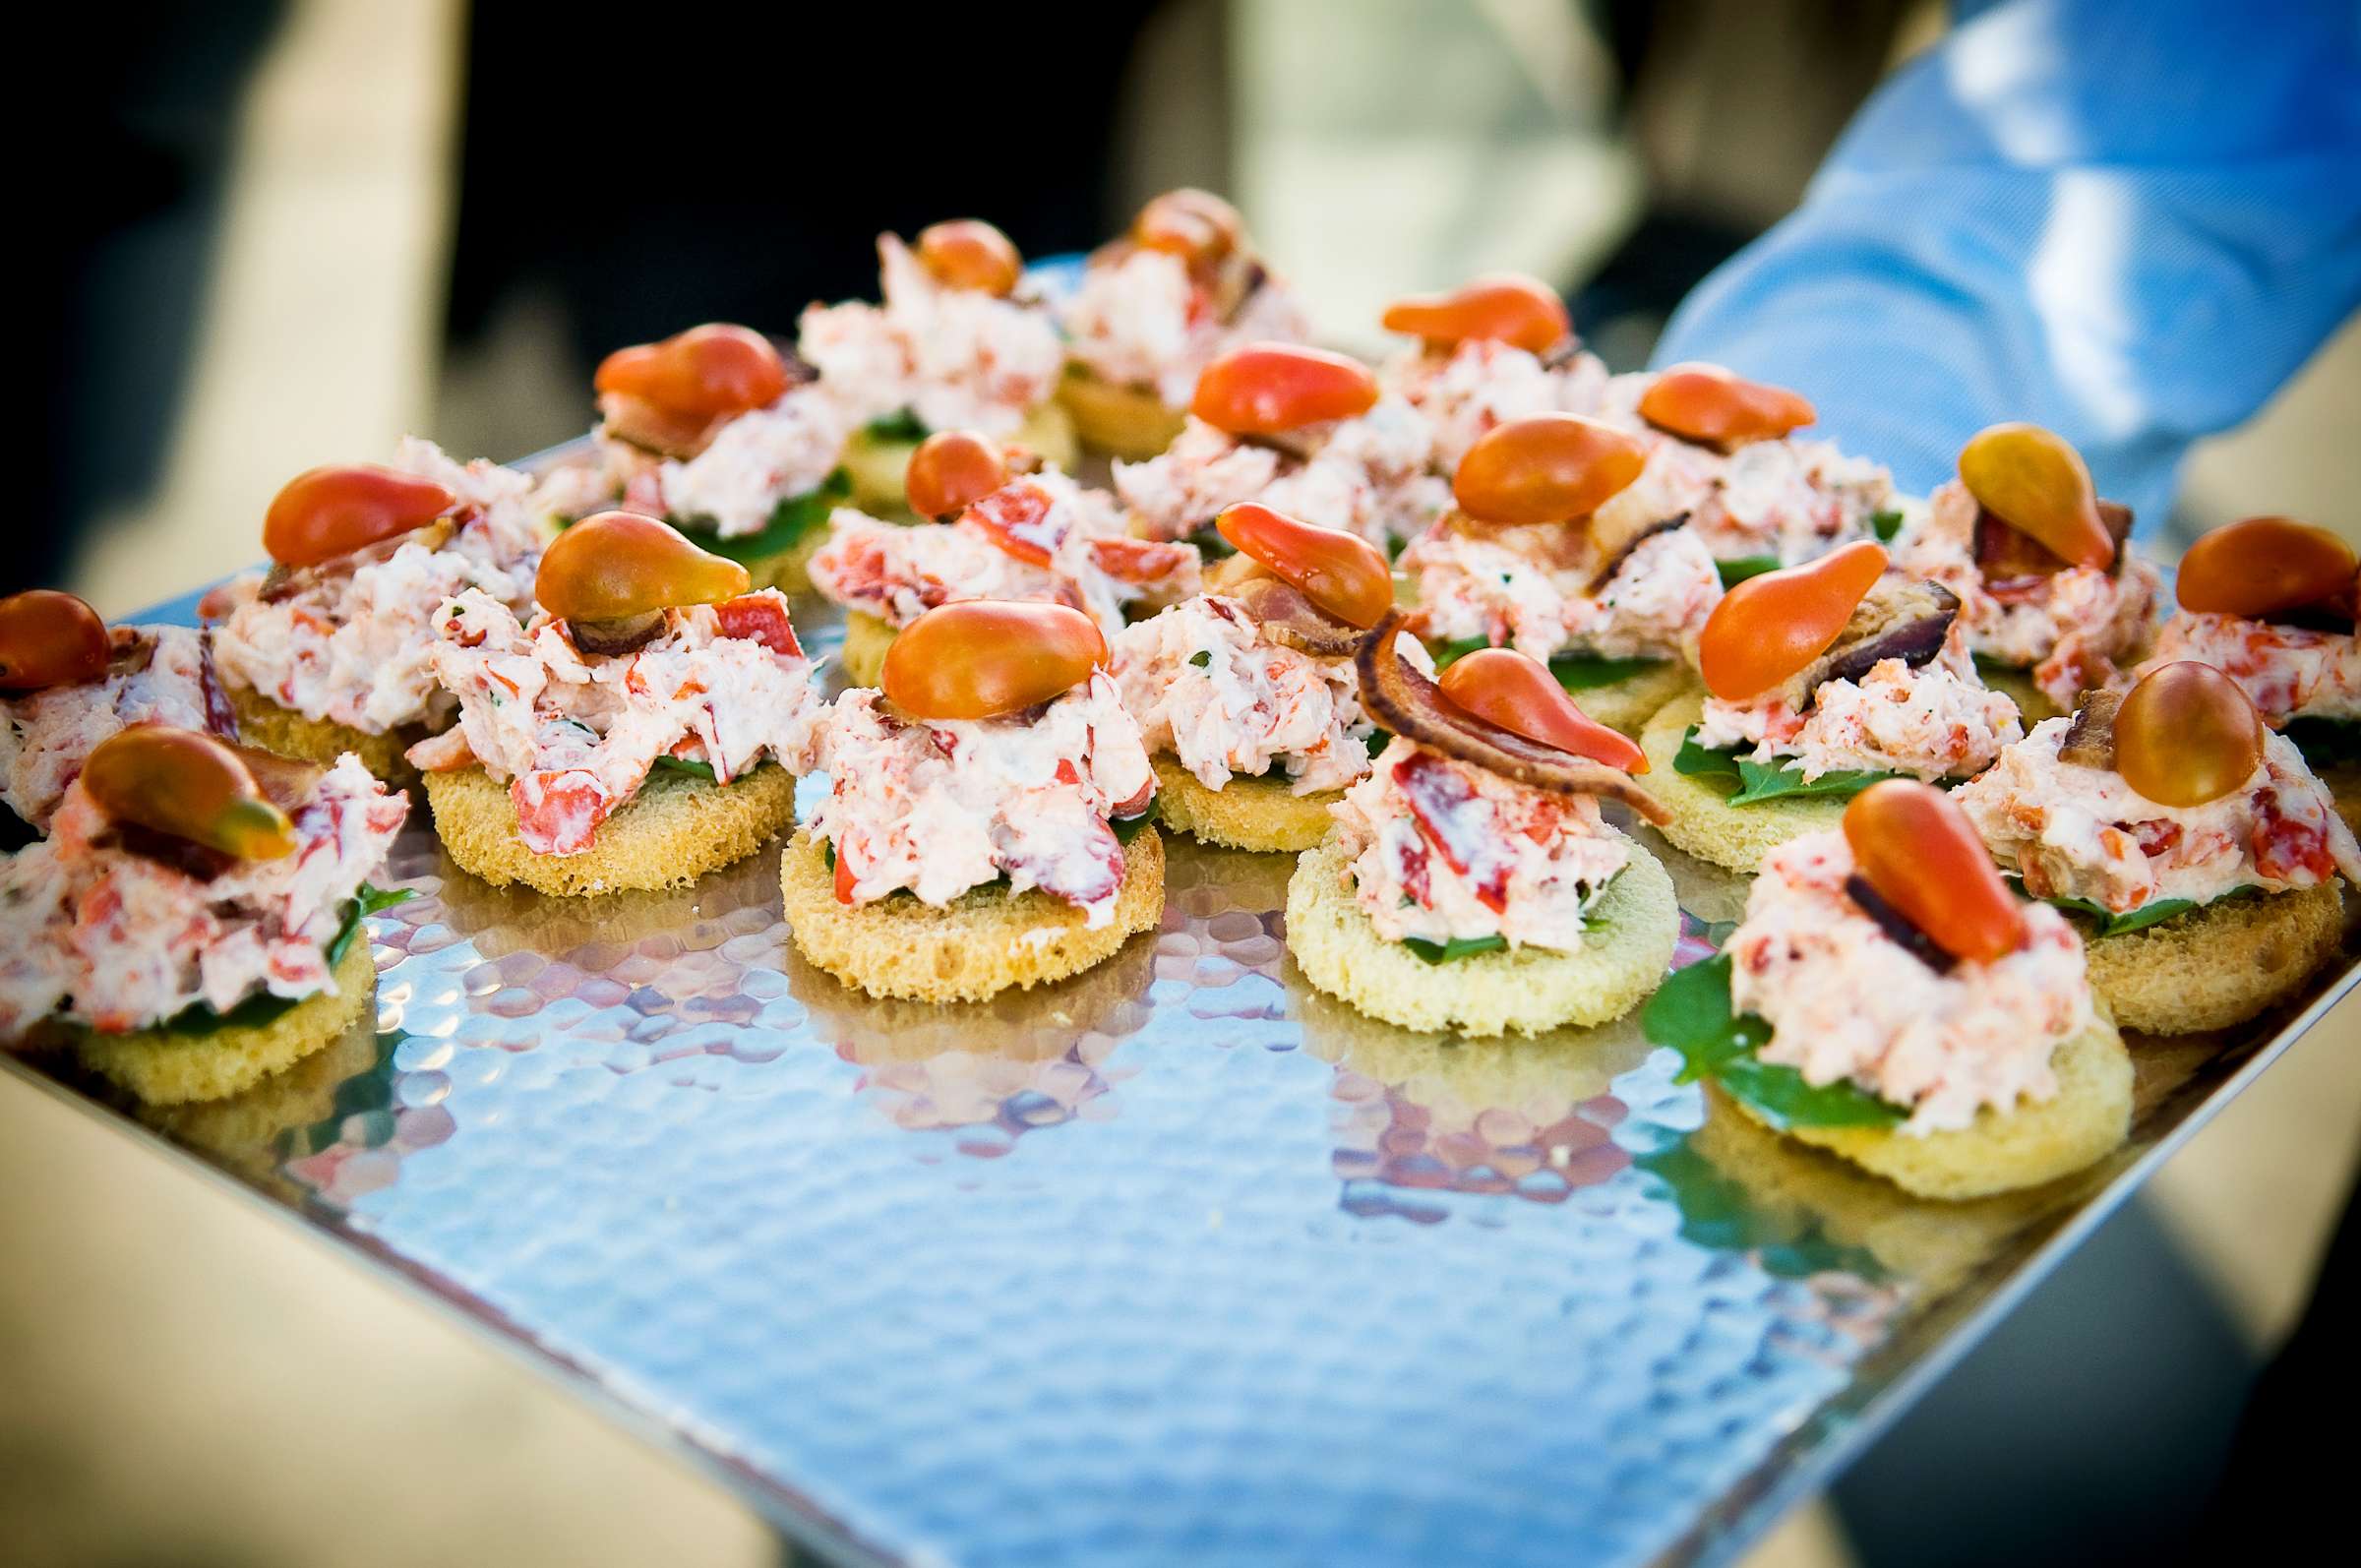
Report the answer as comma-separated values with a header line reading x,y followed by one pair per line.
x,y
741,472
118,938
1546,590
952,358
2290,672
1444,851
1845,1001
349,640
2074,832
1369,475
1469,387
1040,536
1783,498
2067,625
1931,720
1145,318
158,674
936,807
716,690
1208,685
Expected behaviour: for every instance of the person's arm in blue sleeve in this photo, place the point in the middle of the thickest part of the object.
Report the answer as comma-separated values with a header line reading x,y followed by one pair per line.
x,y
2129,222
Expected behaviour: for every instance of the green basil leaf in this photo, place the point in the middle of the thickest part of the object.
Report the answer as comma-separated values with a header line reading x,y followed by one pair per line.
x,y
1885,524
2155,912
1737,570
1377,742
1128,829
790,520
1210,543
2326,743
1690,1013
902,424
1202,659
1576,672
1456,947
1446,655
684,764
1745,781
1787,1241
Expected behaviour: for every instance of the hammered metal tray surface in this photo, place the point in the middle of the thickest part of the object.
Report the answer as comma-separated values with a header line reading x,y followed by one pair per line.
x,y
1177,1260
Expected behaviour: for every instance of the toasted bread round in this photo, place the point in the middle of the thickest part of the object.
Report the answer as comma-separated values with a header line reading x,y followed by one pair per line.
x,y
2088,1117
2219,964
264,723
1629,703
164,1068
876,463
1257,814
1127,422
865,639
976,945
1526,989
1702,822
676,829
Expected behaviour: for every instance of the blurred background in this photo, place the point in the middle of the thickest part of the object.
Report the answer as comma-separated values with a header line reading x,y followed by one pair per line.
x,y
294,231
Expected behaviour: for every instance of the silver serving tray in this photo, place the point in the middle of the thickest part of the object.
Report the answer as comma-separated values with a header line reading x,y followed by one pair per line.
x,y
1176,1261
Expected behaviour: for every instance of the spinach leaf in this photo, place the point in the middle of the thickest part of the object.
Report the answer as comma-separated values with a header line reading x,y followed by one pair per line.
x,y
1885,524
1739,569
2155,912
790,520
1456,947
902,424
1690,1013
1576,672
1128,829
1745,781
2325,742
684,764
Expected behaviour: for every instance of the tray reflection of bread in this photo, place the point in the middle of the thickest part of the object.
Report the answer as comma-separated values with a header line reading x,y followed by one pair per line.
x,y
506,920
242,1134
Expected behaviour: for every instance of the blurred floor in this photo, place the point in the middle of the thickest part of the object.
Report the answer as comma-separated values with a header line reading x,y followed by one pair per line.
x,y
186,1379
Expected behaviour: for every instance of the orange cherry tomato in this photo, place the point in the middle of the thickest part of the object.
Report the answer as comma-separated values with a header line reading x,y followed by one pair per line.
x,y
704,373
1768,628
189,785
979,658
1919,853
1499,307
1546,469
2265,566
969,253
951,470
2187,734
50,638
1196,226
2038,485
615,564
1341,573
1266,389
325,513
1517,692
1707,404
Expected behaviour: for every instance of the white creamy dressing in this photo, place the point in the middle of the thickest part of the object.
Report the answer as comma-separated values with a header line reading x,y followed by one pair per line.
x,y
1846,1002
957,358
1502,585
2069,628
1208,686
939,807
1441,850
575,735
46,736
2289,672
1934,721
2071,831
755,461
352,643
1139,320
1468,388
1039,537
120,942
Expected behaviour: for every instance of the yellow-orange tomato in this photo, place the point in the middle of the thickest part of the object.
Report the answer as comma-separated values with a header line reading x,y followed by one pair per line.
x,y
2187,734
704,373
1768,628
1709,404
615,564
1268,389
1919,853
1517,692
2265,566
1499,307
979,658
1195,225
1546,469
1341,573
325,513
189,785
2033,480
951,470
969,253
50,638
